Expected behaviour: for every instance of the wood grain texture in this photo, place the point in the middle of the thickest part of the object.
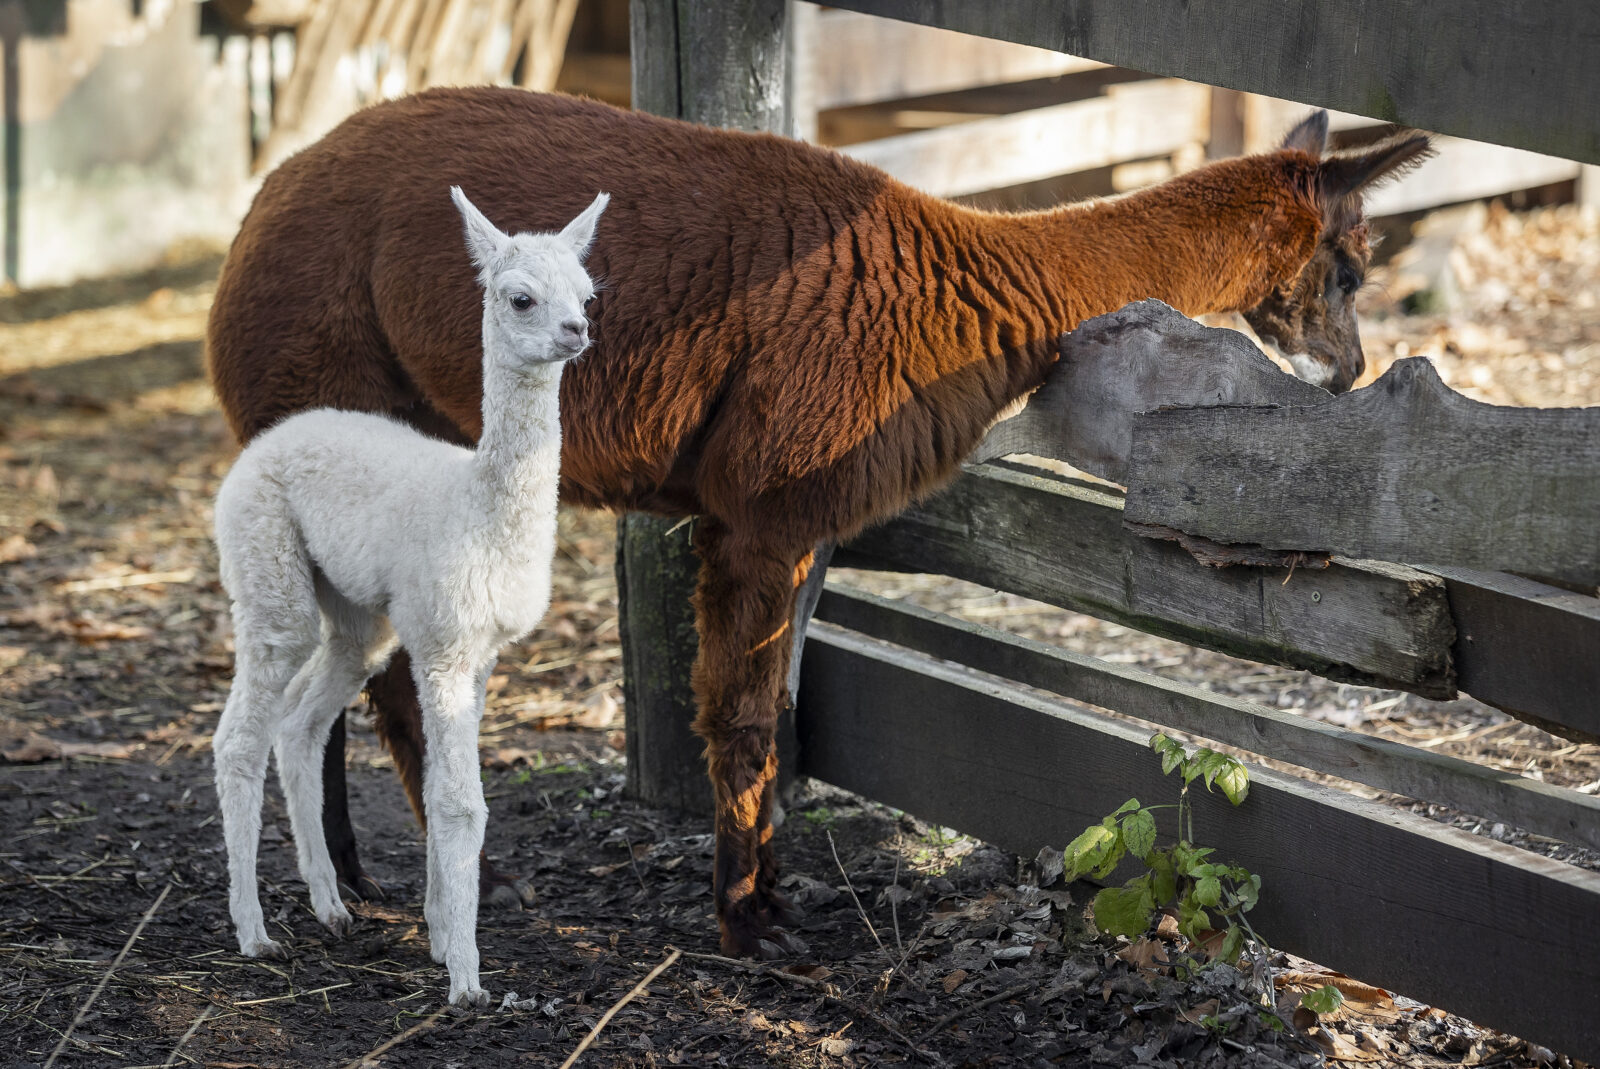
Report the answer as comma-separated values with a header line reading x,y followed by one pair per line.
x,y
1528,648
1130,122
1063,542
1405,469
1114,367
864,60
724,64
1512,74
1389,766
656,573
1505,937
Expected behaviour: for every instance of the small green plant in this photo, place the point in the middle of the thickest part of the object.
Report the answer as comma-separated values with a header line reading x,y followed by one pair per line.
x,y
522,776
1208,896
1325,999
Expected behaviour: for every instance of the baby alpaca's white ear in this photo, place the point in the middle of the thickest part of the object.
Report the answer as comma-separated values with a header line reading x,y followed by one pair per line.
x,y
580,232
484,239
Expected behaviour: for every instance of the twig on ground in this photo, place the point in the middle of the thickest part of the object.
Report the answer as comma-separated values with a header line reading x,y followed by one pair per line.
x,y
1010,992
83,1011
80,910
894,912
294,994
828,993
389,1044
172,1059
605,1018
860,910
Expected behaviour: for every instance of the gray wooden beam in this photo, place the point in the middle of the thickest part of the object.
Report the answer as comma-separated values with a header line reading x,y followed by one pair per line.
x,y
1512,74
1063,542
1284,736
723,63
1498,934
1405,469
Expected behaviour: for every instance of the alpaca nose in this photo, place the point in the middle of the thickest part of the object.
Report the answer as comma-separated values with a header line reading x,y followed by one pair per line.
x,y
575,332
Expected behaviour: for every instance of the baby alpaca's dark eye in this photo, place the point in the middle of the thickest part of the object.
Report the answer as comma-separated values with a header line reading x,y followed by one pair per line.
x,y
521,302
1349,281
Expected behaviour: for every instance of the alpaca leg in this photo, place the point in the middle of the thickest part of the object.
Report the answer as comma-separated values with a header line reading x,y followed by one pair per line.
x,y
452,701
243,739
744,604
397,718
330,680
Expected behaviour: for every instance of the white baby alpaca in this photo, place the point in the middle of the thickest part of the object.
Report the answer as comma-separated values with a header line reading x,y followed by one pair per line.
x,y
341,533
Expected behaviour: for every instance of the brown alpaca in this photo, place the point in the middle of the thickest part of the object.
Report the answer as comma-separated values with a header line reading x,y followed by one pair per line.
x,y
788,344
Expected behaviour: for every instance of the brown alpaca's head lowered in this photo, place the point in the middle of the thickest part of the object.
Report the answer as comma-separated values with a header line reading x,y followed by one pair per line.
x,y
1311,320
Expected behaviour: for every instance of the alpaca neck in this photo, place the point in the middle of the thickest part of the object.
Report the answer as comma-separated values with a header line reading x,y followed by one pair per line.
x,y
1217,239
517,463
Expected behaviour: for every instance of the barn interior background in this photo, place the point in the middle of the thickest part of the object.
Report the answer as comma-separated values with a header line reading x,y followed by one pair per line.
x,y
134,134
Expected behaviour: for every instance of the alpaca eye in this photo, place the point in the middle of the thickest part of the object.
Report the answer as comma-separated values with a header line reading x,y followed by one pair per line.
x,y
1349,281
521,302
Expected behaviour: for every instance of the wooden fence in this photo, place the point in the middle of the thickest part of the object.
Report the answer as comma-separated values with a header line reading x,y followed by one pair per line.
x,y
1499,934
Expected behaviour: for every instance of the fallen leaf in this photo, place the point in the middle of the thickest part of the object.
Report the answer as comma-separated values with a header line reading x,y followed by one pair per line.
x,y
1339,1048
1196,1014
954,980
810,972
836,1048
605,870
1147,955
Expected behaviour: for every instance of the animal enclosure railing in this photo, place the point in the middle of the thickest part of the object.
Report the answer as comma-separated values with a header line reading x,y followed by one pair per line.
x,y
1499,934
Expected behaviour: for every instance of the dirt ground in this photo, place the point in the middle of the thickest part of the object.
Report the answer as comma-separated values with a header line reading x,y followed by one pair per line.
x,y
925,947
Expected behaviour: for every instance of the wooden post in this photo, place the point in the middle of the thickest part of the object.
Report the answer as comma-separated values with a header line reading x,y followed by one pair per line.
x,y
723,63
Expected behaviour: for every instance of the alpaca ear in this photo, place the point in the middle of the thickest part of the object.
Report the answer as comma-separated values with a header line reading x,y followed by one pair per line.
x,y
580,232
1348,172
485,241
1310,136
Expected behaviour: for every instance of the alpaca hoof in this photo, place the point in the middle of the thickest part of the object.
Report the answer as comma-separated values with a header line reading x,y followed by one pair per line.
x,y
787,945
263,948
472,998
363,889
339,924
508,894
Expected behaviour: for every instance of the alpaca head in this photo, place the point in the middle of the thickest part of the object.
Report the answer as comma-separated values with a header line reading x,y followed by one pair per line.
x,y
535,287
1311,320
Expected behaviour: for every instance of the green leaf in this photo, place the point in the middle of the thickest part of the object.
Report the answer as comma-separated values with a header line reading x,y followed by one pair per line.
x,y
1324,999
1131,803
1088,851
1192,920
1208,892
1163,878
1139,833
1170,750
1123,910
1232,944
1211,762
1249,892
1234,781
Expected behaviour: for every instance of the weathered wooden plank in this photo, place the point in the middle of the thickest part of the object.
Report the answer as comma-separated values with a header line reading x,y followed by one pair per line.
x,y
1062,542
1513,74
1530,649
864,60
724,64
1117,366
1501,935
1131,121
1405,469
1389,766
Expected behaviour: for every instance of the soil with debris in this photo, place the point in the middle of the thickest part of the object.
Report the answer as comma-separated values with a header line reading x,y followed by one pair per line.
x,y
925,947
